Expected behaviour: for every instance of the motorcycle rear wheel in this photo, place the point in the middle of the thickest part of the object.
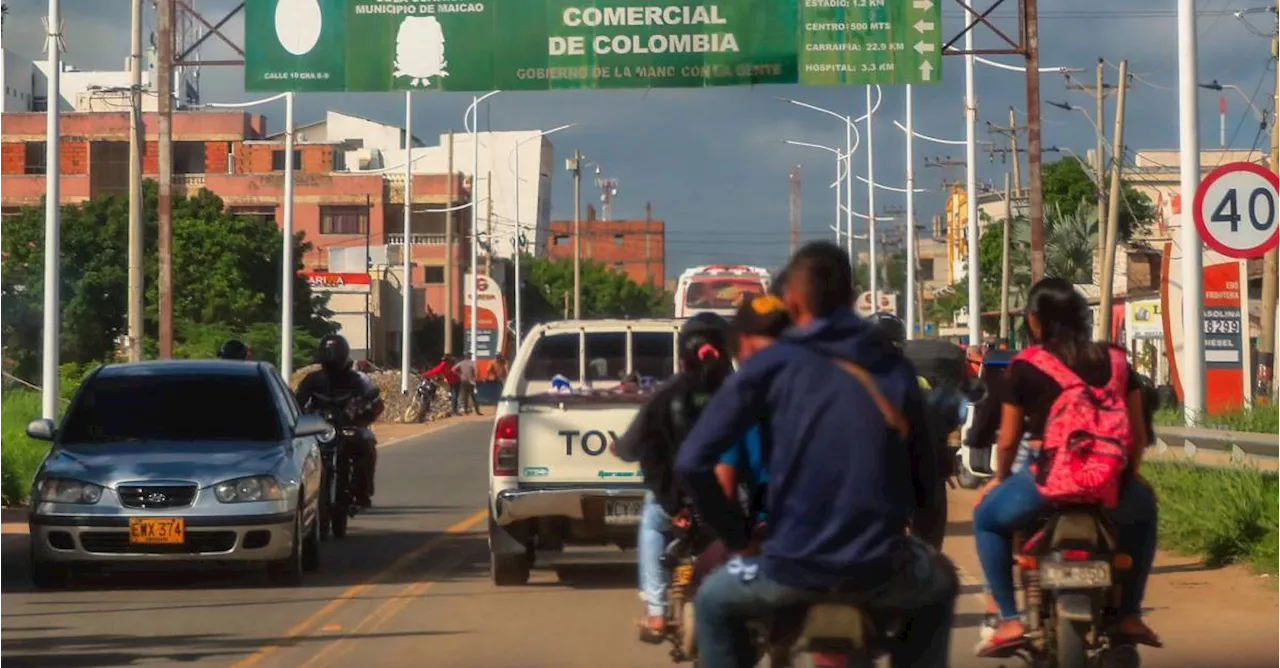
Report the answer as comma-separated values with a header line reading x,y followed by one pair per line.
x,y
1071,650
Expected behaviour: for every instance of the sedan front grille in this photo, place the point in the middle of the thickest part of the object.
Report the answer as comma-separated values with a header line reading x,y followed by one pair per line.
x,y
156,496
196,542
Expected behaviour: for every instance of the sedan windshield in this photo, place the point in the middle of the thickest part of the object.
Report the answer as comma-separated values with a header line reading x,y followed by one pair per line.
x,y
173,407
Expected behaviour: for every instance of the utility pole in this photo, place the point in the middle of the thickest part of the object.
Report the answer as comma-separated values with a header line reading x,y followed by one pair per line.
x,y
164,153
1100,89
488,226
575,166
1031,44
794,202
448,253
1004,258
1271,260
52,316
136,229
648,242
1113,215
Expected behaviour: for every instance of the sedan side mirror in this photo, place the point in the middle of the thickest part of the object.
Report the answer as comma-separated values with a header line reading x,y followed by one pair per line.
x,y
310,425
42,429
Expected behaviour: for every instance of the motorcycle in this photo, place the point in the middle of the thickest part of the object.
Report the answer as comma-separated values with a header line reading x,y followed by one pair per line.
x,y
1069,568
338,502
420,403
688,540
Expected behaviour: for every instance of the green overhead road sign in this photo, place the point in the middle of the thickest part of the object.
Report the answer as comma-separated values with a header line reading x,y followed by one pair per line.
x,y
392,45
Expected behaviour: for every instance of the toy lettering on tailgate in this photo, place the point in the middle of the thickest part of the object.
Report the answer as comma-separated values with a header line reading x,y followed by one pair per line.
x,y
592,442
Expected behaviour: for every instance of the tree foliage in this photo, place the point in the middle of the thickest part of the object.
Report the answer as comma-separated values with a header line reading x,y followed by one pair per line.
x,y
226,280
1068,188
605,293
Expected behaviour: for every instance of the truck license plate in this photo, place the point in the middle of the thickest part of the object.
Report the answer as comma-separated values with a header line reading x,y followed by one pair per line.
x,y
622,512
1075,575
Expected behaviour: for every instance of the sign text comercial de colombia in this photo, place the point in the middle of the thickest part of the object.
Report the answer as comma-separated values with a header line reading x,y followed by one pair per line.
x,y
386,45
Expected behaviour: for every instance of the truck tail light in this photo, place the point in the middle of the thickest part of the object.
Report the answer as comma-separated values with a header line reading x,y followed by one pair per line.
x,y
506,445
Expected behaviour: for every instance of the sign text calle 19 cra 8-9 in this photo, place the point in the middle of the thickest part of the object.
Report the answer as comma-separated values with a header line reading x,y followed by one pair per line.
x,y
388,45
1235,210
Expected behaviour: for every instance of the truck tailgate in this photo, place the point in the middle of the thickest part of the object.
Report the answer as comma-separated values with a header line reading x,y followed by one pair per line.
x,y
568,442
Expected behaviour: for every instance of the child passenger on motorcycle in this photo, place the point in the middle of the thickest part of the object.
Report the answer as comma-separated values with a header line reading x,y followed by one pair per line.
x,y
742,471
1057,320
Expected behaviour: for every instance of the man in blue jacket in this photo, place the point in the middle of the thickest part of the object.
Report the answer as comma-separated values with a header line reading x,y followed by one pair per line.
x,y
846,473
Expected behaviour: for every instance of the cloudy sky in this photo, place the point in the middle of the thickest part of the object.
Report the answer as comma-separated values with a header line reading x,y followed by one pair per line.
x,y
712,161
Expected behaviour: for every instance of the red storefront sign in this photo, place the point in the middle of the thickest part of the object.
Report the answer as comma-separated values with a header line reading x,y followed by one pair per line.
x,y
326,279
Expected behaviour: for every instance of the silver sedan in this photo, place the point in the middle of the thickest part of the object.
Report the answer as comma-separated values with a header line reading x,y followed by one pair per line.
x,y
178,461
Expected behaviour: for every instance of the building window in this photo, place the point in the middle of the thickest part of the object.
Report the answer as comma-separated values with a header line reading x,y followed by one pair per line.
x,y
617,240
339,160
264,212
36,152
562,239
617,266
926,269
277,160
344,220
188,157
433,275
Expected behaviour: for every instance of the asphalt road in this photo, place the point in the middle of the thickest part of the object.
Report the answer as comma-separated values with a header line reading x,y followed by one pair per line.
x,y
409,587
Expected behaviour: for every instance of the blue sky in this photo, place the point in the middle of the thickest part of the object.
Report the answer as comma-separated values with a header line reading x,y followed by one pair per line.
x,y
712,161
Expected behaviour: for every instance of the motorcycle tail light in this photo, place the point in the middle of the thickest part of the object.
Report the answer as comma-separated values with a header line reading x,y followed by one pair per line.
x,y
1122,562
829,659
1074,555
1026,562
506,445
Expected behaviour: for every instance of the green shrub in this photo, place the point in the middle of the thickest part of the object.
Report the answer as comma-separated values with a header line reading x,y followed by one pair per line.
x,y
19,455
1258,418
1225,515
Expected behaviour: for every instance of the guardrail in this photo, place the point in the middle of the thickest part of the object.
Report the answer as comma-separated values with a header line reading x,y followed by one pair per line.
x,y
1240,445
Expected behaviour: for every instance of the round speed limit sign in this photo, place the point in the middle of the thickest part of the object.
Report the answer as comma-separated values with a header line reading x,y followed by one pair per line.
x,y
1236,210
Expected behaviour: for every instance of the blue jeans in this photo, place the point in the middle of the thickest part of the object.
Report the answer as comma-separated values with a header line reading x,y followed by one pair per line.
x,y
1014,503
923,587
453,398
650,544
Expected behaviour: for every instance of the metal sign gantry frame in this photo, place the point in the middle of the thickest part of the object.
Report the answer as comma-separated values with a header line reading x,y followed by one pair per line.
x,y
1027,46
167,60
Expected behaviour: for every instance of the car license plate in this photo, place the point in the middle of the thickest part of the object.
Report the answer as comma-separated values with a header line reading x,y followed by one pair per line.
x,y
622,512
157,530
1075,575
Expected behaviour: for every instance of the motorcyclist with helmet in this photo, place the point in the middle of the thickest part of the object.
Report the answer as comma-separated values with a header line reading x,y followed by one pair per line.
x,y
848,470
337,380
234,349
652,440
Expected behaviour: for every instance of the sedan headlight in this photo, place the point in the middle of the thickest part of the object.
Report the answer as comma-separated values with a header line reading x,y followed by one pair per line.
x,y
66,490
253,488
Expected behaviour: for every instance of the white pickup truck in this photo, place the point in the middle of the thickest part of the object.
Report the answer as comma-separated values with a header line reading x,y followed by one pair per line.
x,y
553,478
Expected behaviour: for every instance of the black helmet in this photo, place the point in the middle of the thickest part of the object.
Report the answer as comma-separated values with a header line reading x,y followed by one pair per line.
x,y
891,326
704,337
333,352
233,349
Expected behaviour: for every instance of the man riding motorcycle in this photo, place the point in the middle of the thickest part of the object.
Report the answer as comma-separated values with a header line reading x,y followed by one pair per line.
x,y
848,470
652,439
234,349
336,377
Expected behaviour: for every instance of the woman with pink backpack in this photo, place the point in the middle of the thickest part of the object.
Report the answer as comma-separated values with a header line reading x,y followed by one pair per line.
x,y
1063,386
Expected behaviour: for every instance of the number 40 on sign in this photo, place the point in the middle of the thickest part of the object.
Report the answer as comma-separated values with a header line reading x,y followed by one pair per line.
x,y
1235,210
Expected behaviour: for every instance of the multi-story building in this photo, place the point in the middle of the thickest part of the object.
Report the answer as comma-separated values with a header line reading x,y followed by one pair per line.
x,y
229,154
634,247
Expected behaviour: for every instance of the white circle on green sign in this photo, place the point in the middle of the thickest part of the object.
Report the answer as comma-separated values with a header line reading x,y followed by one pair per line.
x,y
298,24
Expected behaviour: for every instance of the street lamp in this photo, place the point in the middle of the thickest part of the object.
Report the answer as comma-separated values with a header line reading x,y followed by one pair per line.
x,y
286,262
514,156
472,287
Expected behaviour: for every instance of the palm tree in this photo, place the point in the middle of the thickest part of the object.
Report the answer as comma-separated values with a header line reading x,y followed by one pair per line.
x,y
1070,243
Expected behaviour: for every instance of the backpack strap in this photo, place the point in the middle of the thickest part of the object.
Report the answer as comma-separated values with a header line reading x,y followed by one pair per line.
x,y
1119,371
891,414
1051,366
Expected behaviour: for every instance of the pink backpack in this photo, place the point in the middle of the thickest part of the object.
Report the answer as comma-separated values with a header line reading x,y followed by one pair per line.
x,y
1087,433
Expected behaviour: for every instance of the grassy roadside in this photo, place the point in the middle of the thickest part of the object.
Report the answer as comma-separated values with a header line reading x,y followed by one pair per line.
x,y
1258,418
1223,515
19,455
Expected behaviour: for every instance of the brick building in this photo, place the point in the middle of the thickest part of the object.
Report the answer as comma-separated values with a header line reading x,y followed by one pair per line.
x,y
228,153
635,247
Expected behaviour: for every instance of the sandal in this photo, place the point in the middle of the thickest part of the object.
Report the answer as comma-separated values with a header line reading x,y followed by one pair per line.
x,y
1000,648
650,635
